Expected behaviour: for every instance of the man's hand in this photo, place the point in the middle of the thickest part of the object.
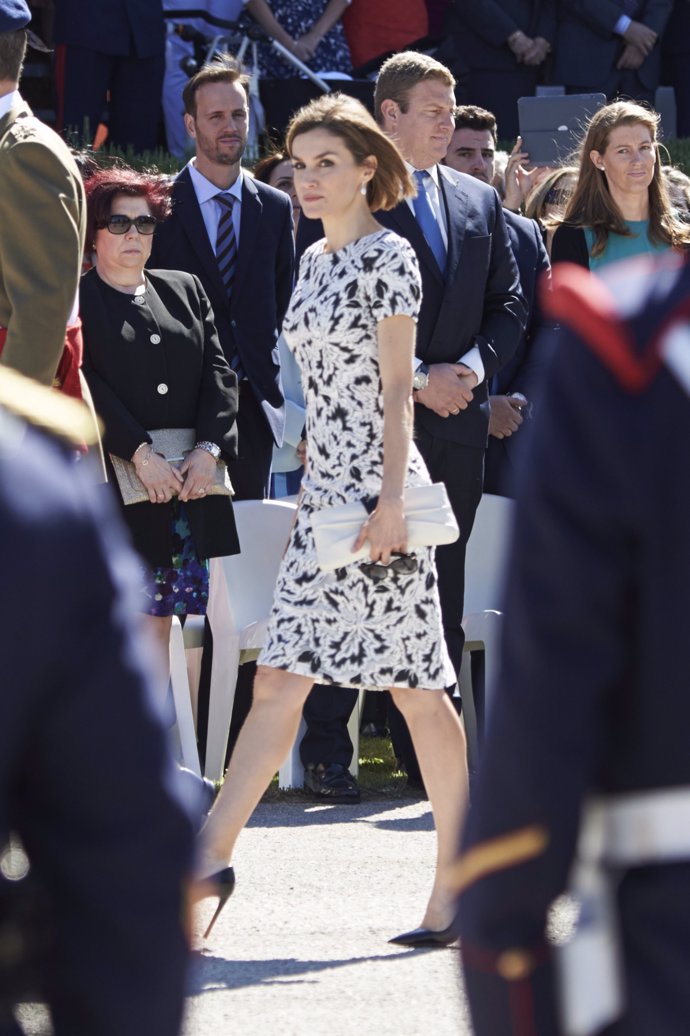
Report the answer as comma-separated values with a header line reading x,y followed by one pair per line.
x,y
449,390
538,52
632,57
505,417
640,36
520,44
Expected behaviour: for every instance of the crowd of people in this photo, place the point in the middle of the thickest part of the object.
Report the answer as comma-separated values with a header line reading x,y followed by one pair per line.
x,y
123,67
386,271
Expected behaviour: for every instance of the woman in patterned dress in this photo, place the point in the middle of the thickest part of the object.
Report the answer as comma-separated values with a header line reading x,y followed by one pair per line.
x,y
351,324
309,29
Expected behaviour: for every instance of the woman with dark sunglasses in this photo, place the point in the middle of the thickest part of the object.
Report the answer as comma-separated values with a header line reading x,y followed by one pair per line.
x,y
153,361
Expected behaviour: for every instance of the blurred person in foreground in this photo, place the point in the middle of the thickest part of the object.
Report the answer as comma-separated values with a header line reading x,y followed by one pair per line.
x,y
96,928
585,778
620,207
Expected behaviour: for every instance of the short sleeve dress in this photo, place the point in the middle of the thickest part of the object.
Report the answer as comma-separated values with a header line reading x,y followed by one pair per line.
x,y
341,627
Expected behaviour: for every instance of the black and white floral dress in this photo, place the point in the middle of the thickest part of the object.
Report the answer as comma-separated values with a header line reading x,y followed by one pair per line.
x,y
342,627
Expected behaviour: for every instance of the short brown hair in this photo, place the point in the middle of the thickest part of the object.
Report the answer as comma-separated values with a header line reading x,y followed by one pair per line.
x,y
12,52
349,120
469,116
401,73
106,184
223,69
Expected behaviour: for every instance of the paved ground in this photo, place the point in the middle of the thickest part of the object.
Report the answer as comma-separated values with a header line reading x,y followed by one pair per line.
x,y
301,948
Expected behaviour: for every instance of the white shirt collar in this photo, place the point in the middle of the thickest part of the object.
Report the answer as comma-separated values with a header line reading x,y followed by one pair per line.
x,y
9,101
432,171
205,190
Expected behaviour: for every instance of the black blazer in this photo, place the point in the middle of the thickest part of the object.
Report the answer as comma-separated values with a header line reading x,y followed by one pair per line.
x,y
250,322
524,371
118,27
160,366
569,245
587,48
477,303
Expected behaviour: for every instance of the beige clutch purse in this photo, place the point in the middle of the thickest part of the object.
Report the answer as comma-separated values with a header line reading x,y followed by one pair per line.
x,y
174,444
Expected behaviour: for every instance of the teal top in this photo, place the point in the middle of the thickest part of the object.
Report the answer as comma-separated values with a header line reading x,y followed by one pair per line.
x,y
619,247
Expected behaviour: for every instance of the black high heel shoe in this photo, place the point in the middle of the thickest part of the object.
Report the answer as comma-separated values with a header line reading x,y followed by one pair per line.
x,y
225,884
427,937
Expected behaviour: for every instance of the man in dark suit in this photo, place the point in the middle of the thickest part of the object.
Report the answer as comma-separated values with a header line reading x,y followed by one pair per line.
x,y
611,47
512,389
97,930
235,234
505,43
111,56
585,775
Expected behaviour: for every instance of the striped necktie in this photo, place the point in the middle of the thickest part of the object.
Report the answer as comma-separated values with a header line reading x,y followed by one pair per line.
x,y
426,217
226,257
226,242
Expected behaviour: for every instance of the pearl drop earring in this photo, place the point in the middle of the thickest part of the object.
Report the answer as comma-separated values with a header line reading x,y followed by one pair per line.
x,y
363,189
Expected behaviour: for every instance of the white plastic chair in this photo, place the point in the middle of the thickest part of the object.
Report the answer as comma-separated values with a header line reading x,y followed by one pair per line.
x,y
240,599
484,575
183,677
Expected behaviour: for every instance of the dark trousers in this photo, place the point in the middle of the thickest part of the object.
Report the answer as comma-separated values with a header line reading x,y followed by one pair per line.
x,y
461,468
327,711
498,91
85,77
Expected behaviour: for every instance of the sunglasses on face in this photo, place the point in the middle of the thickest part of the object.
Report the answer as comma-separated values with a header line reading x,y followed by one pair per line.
x,y
401,564
557,196
121,224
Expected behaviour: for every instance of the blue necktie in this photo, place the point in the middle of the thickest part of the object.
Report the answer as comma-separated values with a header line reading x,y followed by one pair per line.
x,y
426,217
226,257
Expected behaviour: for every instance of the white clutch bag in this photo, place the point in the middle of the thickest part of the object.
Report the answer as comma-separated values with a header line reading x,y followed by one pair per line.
x,y
429,516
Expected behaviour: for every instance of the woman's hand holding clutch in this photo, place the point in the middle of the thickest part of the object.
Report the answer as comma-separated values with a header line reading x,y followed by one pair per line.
x,y
386,531
199,472
161,480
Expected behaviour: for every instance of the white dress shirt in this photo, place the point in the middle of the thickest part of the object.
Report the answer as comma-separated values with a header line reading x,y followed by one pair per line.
x,y
210,209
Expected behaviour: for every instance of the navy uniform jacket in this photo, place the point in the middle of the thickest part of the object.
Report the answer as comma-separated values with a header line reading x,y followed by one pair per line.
x,y
524,371
592,695
251,320
117,27
85,778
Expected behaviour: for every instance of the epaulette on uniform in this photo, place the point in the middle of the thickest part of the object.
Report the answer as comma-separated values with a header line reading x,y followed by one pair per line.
x,y
51,411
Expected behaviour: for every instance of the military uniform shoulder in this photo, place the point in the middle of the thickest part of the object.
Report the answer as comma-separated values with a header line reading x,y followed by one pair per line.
x,y
45,408
618,315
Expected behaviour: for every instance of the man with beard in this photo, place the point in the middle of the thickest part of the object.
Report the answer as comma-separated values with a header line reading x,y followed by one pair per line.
x,y
235,234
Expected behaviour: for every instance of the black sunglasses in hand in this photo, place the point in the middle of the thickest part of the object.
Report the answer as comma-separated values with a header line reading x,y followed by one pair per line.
x,y
119,224
401,564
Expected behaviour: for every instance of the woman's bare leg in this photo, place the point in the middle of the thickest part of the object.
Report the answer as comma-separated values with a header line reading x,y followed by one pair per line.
x,y
263,744
439,742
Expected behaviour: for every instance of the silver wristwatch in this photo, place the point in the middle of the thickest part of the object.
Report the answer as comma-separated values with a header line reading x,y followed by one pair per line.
x,y
210,447
421,377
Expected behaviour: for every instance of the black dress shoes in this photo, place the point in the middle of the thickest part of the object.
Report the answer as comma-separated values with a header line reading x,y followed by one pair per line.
x,y
427,937
331,781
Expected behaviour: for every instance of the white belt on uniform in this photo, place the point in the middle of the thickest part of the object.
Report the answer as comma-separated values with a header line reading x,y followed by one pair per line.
x,y
616,833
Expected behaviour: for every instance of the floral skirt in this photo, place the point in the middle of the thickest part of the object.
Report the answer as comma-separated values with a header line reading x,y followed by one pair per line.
x,y
181,588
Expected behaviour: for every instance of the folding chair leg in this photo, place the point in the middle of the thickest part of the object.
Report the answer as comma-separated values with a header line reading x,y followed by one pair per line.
x,y
291,773
182,699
